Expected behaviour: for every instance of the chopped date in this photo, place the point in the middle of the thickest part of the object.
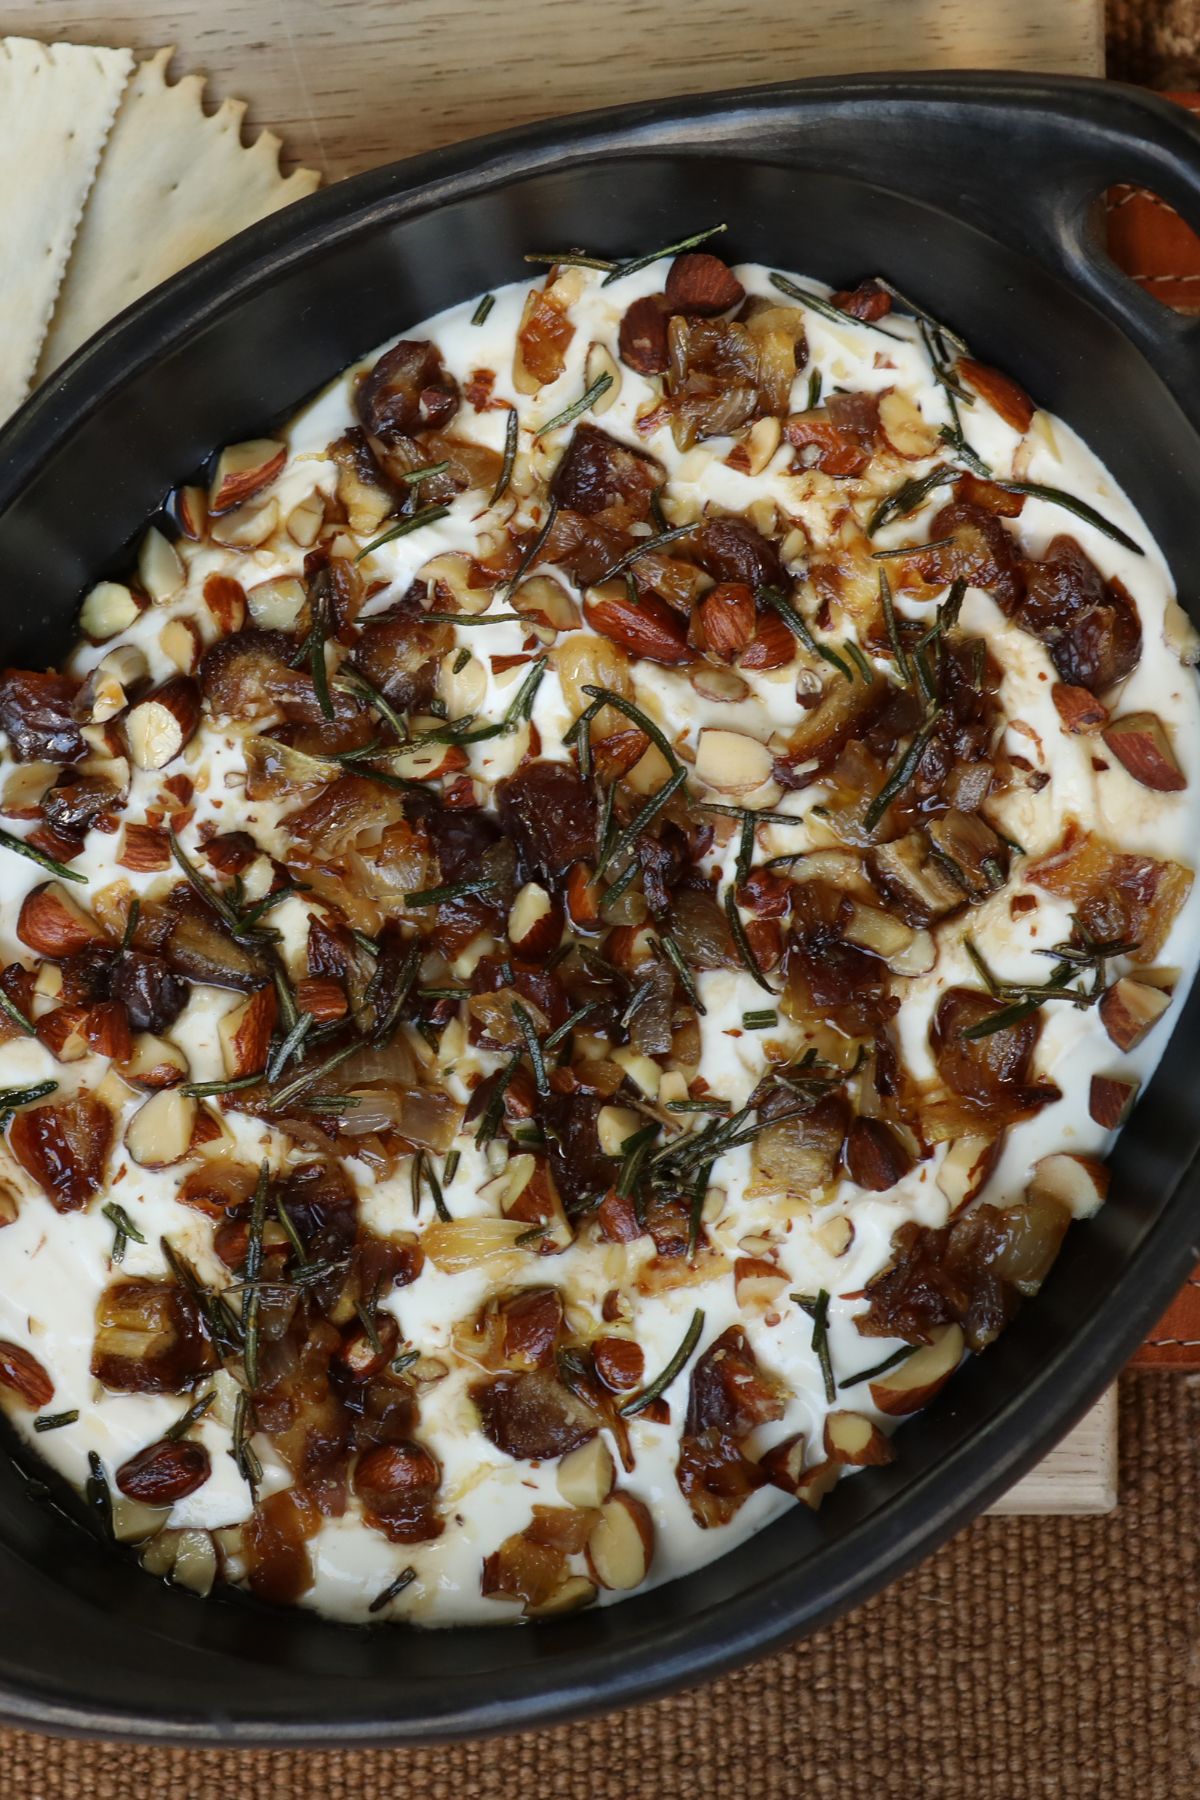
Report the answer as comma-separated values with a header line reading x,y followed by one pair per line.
x,y
531,1416
152,994
599,474
715,1476
406,392
993,1071
150,1338
64,1146
729,1392
732,549
551,816
36,712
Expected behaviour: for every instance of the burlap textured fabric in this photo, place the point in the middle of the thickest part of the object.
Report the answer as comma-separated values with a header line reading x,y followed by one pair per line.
x,y
1156,42
1032,1659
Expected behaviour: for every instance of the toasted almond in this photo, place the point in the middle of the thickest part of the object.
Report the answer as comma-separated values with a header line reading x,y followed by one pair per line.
x,y
145,849
599,362
303,524
1000,391
1110,1100
620,1547
730,762
464,686
757,1283
1080,1183
583,900
181,643
585,1476
546,601
613,1125
64,1032
225,599
277,605
322,997
965,1169
51,923
836,1235
852,1438
1129,1009
815,1483
568,1597
722,685
1141,745
107,689
159,568
783,1463
154,1062
917,1379
535,922
876,1156
245,1033
242,471
905,427
726,619
110,607
160,1131
1078,708
248,526
160,726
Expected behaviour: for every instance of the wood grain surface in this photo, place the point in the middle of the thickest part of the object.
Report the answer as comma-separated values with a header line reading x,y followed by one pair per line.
x,y
349,84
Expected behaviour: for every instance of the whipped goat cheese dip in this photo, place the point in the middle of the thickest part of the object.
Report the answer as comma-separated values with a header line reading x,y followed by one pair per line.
x,y
460,1160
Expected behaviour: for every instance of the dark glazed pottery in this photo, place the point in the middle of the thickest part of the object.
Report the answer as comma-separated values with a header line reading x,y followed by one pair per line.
x,y
980,196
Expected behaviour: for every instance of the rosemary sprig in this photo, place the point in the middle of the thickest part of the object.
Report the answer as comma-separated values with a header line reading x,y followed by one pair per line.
x,y
253,1269
569,259
308,1077
453,890
899,656
919,312
484,618
207,1090
675,957
818,304
760,817
191,1417
512,432
859,660
578,407
55,1421
530,555
564,1030
315,651
427,515
13,1098
910,549
742,943
288,1047
1070,503
952,435
903,772
642,548
880,1368
489,1124
910,495
791,617
602,697
529,1032
814,390
414,477
98,1496
244,1455
746,841
124,1229
766,1020
646,812
637,1403
653,256
406,1577
817,1309
946,617
633,1155
422,1173
21,847
349,680
483,309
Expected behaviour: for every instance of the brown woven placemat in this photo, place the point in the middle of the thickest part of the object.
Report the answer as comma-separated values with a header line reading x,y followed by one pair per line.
x,y
1156,42
1032,1659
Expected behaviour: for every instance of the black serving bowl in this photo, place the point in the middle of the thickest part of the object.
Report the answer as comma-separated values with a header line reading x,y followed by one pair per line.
x,y
979,195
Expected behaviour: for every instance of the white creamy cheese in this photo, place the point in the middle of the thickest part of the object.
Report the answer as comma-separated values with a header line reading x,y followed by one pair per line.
x,y
53,1268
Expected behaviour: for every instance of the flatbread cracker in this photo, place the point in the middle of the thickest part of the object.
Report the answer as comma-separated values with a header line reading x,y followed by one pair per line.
x,y
172,185
57,103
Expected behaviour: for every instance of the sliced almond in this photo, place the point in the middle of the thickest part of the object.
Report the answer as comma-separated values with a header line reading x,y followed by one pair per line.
x,y
245,1033
181,643
247,527
225,600
277,605
448,578
836,1235
154,1062
815,1483
873,929
160,1131
783,1463
1110,1100
546,601
242,471
852,1438
462,683
966,1168
1080,1183
107,689
568,1597
109,608
160,726
1130,1009
159,568
757,1283
905,427
730,762
914,1382
599,362
614,1124
303,524
535,923
585,1476
721,685
620,1548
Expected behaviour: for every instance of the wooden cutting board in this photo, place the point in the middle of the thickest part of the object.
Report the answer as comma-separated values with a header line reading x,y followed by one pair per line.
x,y
354,83
357,83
